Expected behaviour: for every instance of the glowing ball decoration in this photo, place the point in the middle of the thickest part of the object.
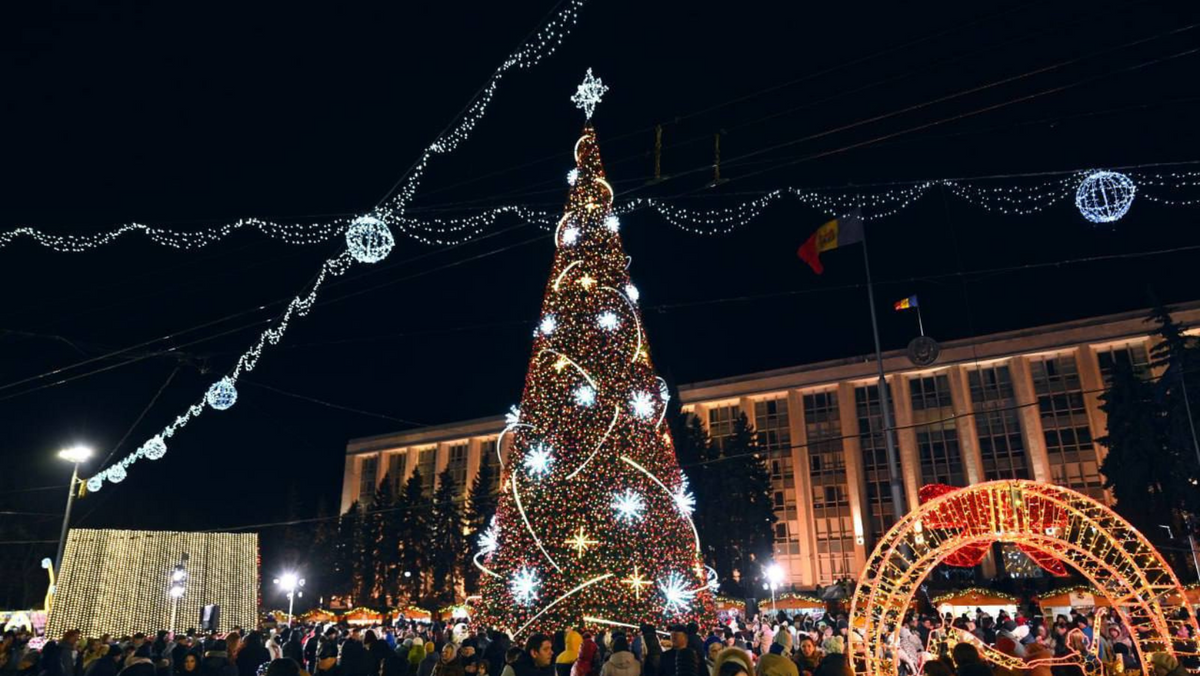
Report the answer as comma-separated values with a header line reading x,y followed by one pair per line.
x,y
117,473
1105,196
155,448
222,395
94,484
369,239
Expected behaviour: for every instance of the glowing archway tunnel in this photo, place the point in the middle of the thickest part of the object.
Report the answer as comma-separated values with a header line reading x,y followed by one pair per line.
x,y
1052,520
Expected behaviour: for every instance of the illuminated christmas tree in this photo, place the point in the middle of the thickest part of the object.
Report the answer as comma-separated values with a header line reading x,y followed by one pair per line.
x,y
594,520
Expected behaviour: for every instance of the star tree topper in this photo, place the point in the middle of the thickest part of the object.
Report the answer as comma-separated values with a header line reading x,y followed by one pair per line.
x,y
588,94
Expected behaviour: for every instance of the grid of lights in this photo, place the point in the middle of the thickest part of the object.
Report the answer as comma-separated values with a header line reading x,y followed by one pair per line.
x,y
591,395
368,237
1103,547
122,581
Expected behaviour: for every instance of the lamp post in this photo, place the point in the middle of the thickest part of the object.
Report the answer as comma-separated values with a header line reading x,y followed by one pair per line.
x,y
774,578
178,588
290,583
73,455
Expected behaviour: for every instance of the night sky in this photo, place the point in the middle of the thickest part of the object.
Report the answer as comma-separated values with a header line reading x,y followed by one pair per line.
x,y
188,115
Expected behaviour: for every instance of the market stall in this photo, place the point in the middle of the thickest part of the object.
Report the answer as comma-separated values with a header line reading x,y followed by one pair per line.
x,y
968,601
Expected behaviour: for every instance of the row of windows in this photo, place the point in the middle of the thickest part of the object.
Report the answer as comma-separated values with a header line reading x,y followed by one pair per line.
x,y
397,469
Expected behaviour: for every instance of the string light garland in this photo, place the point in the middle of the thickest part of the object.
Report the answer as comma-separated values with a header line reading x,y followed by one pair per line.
x,y
368,237
577,399
1104,548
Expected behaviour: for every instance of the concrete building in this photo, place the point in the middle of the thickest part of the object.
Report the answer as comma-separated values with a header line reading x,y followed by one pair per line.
x,y
1020,404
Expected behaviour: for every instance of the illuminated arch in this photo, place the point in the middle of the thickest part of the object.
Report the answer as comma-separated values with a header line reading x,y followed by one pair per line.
x,y
1110,553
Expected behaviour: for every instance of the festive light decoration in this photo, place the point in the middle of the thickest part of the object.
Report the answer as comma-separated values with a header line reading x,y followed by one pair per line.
x,y
612,223
578,391
642,404
685,501
1113,556
154,449
588,95
538,461
369,239
629,506
570,235
222,394
973,591
632,292
95,483
1105,196
678,598
547,325
391,210
572,176
488,541
116,473
137,567
525,585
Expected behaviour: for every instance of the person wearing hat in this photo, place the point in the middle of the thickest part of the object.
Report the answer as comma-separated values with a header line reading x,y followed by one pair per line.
x,y
774,663
1007,640
216,660
681,659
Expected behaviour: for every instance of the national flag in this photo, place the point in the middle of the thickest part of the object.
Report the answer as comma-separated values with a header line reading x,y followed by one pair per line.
x,y
839,232
906,303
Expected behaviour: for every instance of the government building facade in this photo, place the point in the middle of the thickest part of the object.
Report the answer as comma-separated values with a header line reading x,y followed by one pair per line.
x,y
1021,404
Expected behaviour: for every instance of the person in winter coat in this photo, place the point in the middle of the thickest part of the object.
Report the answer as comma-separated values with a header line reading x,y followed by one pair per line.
x,y
432,655
910,650
738,657
589,657
449,664
537,657
252,655
681,660
107,665
1035,652
216,661
292,648
496,652
807,657
1165,664
651,651
354,660
572,640
834,664
416,655
774,663
621,662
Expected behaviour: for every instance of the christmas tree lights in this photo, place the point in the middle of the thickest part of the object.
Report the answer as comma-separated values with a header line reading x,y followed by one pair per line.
x,y
591,394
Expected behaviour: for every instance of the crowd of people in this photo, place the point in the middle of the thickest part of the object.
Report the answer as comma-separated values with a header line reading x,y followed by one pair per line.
x,y
780,645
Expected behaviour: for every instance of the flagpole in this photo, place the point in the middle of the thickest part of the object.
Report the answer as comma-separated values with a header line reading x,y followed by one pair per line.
x,y
898,501
920,322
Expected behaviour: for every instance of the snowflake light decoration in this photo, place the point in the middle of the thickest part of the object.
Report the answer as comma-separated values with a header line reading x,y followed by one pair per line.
x,y
585,395
588,94
642,404
538,460
629,506
632,292
677,598
222,394
572,176
489,540
612,223
547,325
608,320
570,235
685,501
513,416
524,585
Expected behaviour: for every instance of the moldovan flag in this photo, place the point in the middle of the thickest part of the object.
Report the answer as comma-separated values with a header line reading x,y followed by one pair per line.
x,y
906,304
838,232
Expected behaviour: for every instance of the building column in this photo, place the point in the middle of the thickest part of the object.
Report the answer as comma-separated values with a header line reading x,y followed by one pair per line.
x,y
350,481
807,572
441,458
855,478
1031,419
906,440
964,424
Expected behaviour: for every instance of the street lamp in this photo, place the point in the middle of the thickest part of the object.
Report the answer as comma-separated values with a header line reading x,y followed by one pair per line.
x,y
178,587
73,455
290,583
774,578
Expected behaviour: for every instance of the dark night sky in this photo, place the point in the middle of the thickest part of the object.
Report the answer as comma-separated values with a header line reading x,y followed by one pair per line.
x,y
189,114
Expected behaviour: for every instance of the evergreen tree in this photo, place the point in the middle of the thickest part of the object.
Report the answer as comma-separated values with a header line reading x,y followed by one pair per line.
x,y
745,500
1178,393
323,551
1136,466
391,550
448,545
380,548
414,534
345,554
480,510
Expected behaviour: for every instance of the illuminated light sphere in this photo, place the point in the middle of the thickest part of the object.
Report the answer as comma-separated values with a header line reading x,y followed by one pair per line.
x,y
155,448
1105,196
538,460
369,239
629,506
570,235
677,597
642,404
612,223
94,484
572,176
548,324
585,395
632,292
222,394
608,320
116,474
524,585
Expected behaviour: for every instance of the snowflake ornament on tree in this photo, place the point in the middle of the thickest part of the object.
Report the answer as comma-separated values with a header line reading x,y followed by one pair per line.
x,y
588,94
592,395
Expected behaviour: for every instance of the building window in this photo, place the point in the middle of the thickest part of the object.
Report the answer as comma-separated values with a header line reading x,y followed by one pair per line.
x,y
1131,354
368,476
457,464
397,465
1000,443
427,464
937,433
487,450
1073,459
880,513
775,439
831,507
720,422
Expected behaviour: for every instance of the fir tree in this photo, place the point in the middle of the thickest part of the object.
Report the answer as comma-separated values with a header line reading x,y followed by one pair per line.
x,y
749,516
448,545
380,547
480,510
414,533
1178,394
345,554
323,551
1135,466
